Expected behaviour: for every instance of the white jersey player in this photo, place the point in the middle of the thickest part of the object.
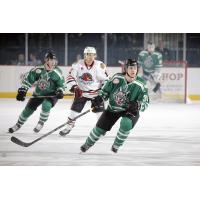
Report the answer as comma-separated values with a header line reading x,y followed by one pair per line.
x,y
85,79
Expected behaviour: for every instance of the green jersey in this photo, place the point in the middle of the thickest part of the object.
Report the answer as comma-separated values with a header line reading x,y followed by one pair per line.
x,y
150,62
120,93
45,82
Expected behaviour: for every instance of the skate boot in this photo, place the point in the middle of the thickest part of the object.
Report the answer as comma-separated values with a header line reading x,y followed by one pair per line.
x,y
16,127
84,147
70,125
114,148
38,127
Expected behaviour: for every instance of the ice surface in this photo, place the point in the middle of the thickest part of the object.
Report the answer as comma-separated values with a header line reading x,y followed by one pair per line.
x,y
166,134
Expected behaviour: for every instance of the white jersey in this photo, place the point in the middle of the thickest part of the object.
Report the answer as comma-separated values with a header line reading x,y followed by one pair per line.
x,y
89,79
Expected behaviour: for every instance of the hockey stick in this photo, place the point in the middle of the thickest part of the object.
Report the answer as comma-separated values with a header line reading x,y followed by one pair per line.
x,y
35,97
27,144
122,63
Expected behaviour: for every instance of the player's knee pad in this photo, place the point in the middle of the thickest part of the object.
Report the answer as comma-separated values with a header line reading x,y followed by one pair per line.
x,y
27,112
126,124
100,131
46,106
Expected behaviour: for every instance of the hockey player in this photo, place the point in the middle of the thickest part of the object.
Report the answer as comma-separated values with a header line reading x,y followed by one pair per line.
x,y
85,79
49,82
127,95
151,62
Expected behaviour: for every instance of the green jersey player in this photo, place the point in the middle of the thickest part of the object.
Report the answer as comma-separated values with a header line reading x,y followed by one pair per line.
x,y
151,62
127,95
48,81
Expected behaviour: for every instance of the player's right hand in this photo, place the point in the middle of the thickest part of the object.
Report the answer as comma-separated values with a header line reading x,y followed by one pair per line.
x,y
77,91
21,94
96,102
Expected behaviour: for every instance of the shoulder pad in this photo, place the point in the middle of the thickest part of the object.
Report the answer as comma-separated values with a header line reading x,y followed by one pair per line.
x,y
140,79
102,65
58,72
38,69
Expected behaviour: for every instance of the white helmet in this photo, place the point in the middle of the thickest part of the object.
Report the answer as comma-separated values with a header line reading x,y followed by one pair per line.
x,y
90,50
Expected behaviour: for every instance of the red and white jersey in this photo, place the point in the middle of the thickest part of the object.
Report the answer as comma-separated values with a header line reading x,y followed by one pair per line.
x,y
88,78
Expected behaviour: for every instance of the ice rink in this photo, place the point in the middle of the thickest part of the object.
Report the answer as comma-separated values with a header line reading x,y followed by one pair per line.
x,y
166,134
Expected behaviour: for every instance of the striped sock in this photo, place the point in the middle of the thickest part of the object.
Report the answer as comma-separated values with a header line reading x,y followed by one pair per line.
x,y
121,137
95,134
44,116
24,115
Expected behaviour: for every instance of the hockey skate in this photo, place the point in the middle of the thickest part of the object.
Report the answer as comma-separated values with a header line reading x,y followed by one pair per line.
x,y
70,125
38,127
84,147
16,127
114,148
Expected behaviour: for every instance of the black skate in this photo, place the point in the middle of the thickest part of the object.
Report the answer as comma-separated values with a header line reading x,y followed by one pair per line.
x,y
114,148
14,128
84,147
64,132
38,127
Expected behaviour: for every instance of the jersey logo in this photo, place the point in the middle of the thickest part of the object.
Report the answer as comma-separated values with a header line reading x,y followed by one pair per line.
x,y
116,81
120,96
86,78
103,66
148,62
38,71
43,84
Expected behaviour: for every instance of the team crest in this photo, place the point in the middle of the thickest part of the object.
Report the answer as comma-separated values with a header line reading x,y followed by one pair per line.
x,y
43,84
148,62
86,78
120,98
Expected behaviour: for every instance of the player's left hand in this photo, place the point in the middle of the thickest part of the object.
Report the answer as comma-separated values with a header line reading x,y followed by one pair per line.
x,y
133,108
59,94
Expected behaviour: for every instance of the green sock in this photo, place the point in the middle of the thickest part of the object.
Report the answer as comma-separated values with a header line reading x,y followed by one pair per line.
x,y
95,134
26,113
126,125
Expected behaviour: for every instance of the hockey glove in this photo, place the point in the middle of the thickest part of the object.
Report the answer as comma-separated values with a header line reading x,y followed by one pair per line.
x,y
157,87
77,91
133,108
59,94
21,94
96,103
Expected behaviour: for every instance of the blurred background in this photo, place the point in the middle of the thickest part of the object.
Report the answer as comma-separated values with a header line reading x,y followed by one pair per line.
x,y
180,50
25,49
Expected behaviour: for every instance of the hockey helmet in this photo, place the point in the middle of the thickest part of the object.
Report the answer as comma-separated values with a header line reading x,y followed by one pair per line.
x,y
50,55
131,62
90,50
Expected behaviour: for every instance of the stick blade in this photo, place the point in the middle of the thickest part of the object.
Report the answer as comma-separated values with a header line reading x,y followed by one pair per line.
x,y
19,142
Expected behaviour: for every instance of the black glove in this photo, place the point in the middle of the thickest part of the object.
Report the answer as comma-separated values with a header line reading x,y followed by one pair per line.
x,y
96,102
21,94
133,108
157,87
59,94
77,91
